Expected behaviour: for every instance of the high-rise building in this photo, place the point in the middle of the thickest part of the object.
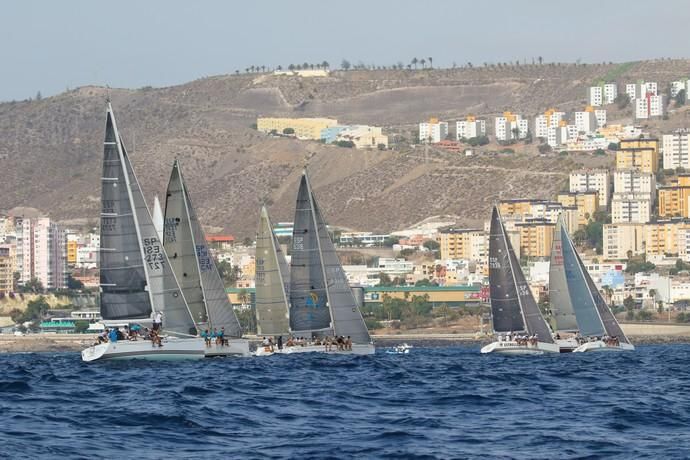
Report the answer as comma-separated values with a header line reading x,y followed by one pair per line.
x,y
587,180
631,208
41,252
638,153
587,204
649,106
640,89
680,85
510,126
470,127
462,243
675,150
536,237
623,240
433,131
549,119
7,268
674,199
634,181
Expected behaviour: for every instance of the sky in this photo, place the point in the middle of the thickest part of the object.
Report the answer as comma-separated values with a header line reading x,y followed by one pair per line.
x,y
49,46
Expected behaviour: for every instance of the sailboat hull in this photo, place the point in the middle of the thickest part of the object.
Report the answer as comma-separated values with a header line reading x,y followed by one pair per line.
x,y
599,346
513,348
567,345
235,347
357,349
173,349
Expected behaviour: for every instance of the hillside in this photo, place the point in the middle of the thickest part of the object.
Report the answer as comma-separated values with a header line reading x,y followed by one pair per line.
x,y
50,149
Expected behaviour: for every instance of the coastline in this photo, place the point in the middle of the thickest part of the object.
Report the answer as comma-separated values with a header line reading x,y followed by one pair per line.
x,y
638,333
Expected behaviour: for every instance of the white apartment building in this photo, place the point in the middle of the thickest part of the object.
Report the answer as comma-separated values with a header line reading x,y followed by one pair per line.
x,y
631,208
433,132
675,150
600,116
638,90
677,86
621,238
634,181
507,126
592,180
467,129
559,135
602,95
544,121
649,106
586,122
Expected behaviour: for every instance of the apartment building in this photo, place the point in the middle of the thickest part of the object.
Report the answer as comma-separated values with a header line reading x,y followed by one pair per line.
x,y
433,131
674,199
536,237
589,120
640,153
550,118
7,268
41,252
510,126
675,149
622,240
602,94
634,181
587,180
587,203
469,128
362,136
680,85
662,238
640,89
467,244
304,128
631,208
649,106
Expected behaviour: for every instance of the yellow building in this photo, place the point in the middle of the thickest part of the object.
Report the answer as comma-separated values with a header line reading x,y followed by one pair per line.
x,y
661,238
587,203
7,268
536,237
462,244
642,154
72,246
518,207
305,128
674,199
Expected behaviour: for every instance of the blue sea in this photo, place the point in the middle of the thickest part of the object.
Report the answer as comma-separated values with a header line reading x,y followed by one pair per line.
x,y
432,403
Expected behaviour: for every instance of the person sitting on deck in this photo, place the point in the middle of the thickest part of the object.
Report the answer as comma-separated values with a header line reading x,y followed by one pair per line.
x,y
348,343
341,343
280,341
112,335
222,341
156,339
207,337
290,342
327,343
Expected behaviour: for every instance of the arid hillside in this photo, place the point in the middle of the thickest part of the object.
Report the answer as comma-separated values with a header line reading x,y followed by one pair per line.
x,y
50,149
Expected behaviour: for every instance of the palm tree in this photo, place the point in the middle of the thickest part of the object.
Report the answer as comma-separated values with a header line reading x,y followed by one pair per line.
x,y
263,68
414,62
252,68
237,72
540,59
325,64
431,61
279,68
291,67
423,61
305,66
469,64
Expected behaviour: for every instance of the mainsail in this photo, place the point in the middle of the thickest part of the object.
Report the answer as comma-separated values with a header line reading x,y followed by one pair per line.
x,y
513,306
272,281
319,290
194,265
559,297
135,273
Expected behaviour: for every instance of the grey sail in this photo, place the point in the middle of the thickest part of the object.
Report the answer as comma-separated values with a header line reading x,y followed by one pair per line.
x,y
123,280
515,304
559,297
159,280
208,285
347,317
505,306
588,319
309,310
179,245
272,282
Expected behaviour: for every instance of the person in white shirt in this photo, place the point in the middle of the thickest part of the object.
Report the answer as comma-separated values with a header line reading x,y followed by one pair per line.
x,y
157,321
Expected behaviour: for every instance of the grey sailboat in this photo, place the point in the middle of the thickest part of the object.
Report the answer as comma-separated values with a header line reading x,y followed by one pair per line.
x,y
190,259
272,281
513,308
321,301
593,317
135,274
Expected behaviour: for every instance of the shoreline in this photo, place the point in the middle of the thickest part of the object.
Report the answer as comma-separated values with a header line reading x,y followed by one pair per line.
x,y
52,343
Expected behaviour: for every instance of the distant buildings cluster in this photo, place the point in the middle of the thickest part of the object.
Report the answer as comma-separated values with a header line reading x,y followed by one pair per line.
x,y
326,130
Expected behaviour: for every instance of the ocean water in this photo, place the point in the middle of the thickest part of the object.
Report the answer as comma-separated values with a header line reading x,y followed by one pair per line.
x,y
433,403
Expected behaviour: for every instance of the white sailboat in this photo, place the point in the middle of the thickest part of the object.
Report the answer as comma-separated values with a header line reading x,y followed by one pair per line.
x,y
560,301
513,308
193,264
135,274
321,303
596,323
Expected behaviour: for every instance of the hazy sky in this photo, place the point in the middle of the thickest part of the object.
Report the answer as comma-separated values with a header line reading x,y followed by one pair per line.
x,y
52,45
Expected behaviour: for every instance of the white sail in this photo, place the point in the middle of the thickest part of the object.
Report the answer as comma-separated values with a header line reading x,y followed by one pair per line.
x,y
158,217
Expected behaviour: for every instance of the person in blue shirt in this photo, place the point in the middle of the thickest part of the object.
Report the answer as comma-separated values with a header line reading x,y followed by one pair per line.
x,y
214,334
221,336
207,337
112,335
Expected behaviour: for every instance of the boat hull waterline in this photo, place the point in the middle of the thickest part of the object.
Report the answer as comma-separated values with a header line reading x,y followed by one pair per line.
x,y
172,350
514,348
599,346
234,347
357,349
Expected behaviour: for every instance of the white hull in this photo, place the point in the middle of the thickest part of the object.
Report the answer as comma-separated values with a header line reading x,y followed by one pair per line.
x,y
357,349
567,345
235,347
172,349
600,346
513,348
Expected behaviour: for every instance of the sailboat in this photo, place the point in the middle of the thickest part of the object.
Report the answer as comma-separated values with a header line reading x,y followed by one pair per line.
x,y
135,274
576,290
272,282
559,297
513,308
193,264
322,305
